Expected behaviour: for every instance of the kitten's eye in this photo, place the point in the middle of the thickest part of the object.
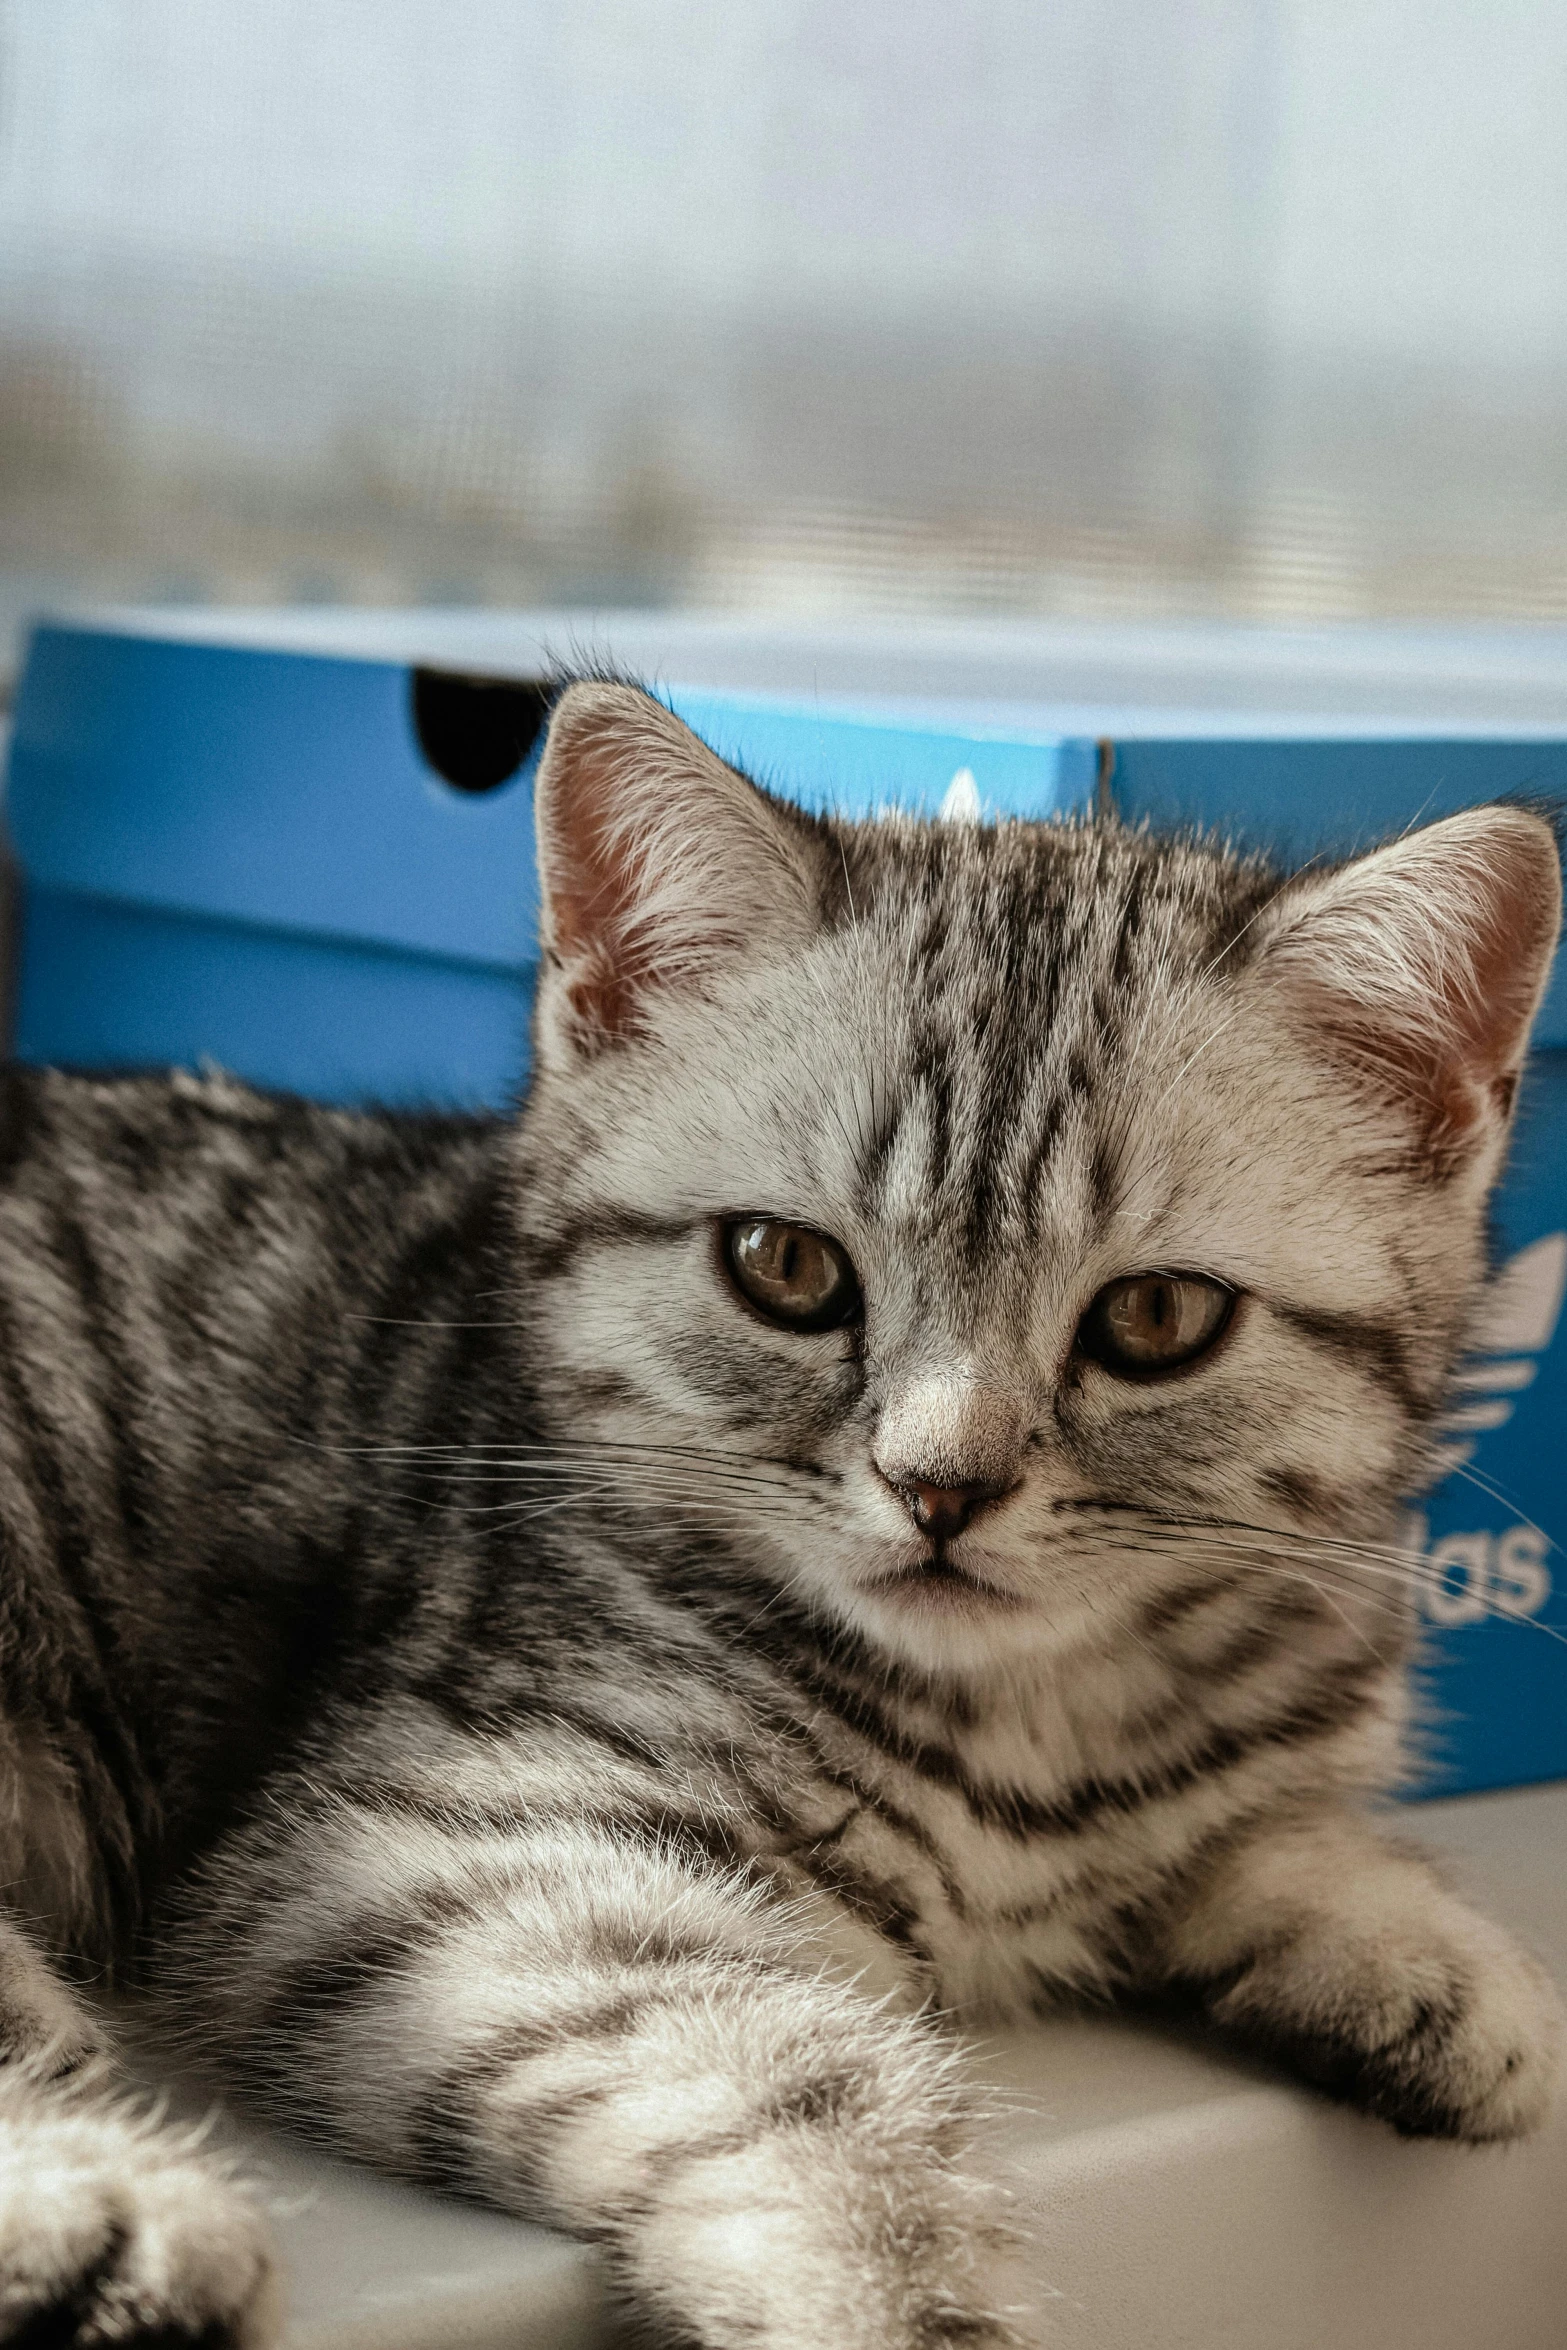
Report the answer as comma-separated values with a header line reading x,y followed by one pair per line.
x,y
1153,1322
791,1274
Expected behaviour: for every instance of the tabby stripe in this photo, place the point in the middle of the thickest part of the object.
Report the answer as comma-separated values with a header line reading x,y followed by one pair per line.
x,y
901,1823
119,1421
448,2135
463,1818
1225,1750
455,1892
1031,1181
306,1997
606,1227
1023,1815
1372,1347
123,1811
442,2131
1183,1600
890,1909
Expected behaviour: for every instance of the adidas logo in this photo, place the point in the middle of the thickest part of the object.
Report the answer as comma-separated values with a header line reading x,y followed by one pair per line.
x,y
1472,1577
1516,1323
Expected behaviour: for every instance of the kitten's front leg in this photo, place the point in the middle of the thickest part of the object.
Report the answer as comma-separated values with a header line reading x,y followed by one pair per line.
x,y
611,2032
1342,1952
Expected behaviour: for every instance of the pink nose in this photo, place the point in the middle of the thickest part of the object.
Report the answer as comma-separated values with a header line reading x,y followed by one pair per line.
x,y
944,1510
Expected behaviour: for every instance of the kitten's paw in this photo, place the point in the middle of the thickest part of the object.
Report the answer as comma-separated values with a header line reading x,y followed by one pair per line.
x,y
112,2236
1439,2025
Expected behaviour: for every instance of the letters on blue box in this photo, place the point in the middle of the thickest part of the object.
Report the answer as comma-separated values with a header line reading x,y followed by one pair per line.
x,y
241,856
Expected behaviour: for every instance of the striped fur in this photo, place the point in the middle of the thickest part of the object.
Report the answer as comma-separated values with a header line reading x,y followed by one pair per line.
x,y
484,1675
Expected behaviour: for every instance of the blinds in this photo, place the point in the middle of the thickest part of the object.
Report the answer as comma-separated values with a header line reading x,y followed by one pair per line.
x,y
1247,306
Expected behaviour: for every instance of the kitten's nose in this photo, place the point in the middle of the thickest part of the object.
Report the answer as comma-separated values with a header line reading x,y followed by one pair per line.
x,y
944,1510
949,1445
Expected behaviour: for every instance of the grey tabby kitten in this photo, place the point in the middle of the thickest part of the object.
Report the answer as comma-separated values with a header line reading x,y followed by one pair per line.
x,y
573,1646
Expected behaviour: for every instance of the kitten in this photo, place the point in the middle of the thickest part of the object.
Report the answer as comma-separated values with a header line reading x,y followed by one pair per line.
x,y
571,1647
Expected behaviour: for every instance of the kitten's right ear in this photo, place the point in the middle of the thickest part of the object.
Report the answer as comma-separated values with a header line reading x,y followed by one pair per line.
x,y
1422,966
658,866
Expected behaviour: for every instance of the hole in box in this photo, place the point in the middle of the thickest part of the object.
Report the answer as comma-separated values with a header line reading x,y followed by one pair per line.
x,y
476,732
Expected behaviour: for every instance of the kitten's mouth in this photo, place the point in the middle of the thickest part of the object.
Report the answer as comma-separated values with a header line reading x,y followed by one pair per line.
x,y
937,1585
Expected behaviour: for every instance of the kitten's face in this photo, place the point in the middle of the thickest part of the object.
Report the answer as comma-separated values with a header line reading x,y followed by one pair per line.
x,y
953,1255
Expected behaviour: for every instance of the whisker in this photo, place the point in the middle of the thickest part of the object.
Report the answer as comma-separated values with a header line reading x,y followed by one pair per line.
x,y
1505,1501
1354,1564
638,1504
500,1473
430,1322
584,1448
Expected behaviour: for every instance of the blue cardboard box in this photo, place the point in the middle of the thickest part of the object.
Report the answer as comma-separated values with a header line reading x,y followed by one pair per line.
x,y
317,871
252,855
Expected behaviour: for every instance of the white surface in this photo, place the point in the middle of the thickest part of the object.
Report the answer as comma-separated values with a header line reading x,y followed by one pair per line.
x,y
375,2266
1178,2196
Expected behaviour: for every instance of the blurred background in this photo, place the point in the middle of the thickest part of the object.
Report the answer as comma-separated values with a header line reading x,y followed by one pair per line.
x,y
1254,308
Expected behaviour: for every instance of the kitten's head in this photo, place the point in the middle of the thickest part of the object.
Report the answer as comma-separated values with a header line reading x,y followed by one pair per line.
x,y
937,1219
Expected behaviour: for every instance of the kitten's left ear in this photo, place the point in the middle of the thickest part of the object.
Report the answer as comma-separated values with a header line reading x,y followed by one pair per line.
x,y
1423,965
658,865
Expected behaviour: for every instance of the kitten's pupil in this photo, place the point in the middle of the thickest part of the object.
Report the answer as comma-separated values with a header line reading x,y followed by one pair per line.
x,y
1153,1322
794,1276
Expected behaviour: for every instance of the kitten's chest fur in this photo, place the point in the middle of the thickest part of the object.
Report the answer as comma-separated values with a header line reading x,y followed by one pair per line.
x,y
1010,1857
